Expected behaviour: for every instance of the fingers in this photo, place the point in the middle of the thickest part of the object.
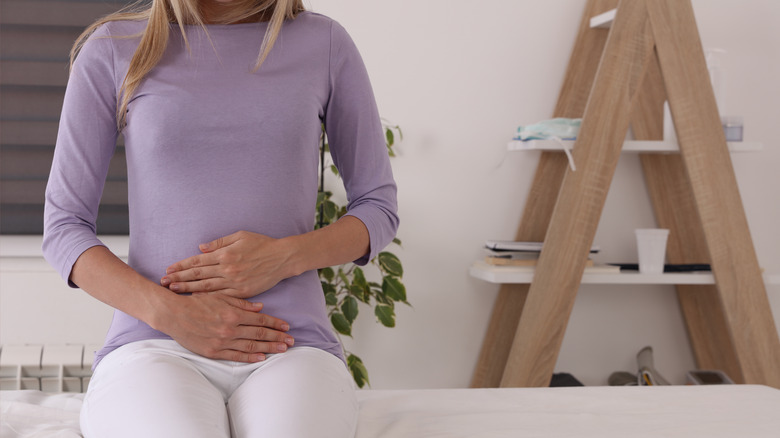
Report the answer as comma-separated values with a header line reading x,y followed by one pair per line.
x,y
197,279
256,319
219,326
220,242
210,285
260,340
196,261
260,326
258,335
249,351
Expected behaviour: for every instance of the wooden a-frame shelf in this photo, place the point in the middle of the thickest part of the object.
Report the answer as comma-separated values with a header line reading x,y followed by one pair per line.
x,y
620,74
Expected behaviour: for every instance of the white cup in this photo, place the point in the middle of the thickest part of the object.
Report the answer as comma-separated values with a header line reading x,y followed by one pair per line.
x,y
651,246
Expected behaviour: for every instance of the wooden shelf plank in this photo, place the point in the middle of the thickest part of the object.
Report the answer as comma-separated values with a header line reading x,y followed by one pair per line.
x,y
595,275
633,146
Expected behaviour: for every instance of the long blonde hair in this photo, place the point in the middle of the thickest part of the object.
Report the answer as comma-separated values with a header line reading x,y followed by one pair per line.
x,y
161,13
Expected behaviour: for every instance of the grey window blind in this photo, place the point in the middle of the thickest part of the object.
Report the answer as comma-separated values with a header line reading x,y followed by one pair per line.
x,y
35,40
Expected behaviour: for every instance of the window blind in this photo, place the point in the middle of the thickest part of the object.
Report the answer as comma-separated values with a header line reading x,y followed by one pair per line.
x,y
35,40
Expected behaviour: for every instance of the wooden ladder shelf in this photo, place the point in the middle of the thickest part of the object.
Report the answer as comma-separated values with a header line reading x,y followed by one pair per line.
x,y
618,77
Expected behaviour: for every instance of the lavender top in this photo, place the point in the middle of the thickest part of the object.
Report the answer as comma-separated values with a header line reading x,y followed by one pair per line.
x,y
213,148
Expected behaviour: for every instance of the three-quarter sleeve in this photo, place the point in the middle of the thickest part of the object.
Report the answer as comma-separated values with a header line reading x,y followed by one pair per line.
x,y
85,143
357,144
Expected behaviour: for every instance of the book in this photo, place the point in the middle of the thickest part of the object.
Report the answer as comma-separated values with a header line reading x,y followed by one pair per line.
x,y
512,254
511,245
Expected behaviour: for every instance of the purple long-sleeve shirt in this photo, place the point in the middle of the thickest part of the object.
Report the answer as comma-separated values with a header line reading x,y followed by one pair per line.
x,y
213,148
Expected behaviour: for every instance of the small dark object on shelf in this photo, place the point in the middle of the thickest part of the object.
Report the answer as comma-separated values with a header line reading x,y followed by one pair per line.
x,y
708,377
564,379
667,268
622,378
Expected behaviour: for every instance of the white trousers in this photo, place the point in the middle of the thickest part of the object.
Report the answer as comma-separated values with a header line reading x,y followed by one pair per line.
x,y
157,388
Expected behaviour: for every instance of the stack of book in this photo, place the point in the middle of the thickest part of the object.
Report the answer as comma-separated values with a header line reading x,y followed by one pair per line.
x,y
512,253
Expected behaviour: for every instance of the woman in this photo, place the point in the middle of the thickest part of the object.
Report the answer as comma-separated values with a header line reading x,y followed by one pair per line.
x,y
221,105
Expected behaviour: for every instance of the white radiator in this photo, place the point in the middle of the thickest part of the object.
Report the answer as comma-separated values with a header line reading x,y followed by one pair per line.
x,y
49,368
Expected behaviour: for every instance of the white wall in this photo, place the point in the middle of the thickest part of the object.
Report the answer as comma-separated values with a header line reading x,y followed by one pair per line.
x,y
459,77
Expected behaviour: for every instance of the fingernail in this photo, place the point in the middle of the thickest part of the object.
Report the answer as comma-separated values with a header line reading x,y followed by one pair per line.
x,y
175,287
285,327
169,271
165,281
289,341
258,305
281,347
260,357
204,246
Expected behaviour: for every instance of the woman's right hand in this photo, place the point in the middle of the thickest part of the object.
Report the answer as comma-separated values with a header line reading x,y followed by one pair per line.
x,y
219,326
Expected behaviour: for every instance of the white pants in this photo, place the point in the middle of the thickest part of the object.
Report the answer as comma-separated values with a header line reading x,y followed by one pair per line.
x,y
157,388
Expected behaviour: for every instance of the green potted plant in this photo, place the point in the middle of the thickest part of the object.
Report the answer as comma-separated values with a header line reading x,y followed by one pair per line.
x,y
347,286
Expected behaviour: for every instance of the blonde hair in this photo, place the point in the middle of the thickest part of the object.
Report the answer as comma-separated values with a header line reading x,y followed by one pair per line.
x,y
161,13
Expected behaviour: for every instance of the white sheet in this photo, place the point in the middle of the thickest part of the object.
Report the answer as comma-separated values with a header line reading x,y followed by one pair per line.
x,y
35,414
671,411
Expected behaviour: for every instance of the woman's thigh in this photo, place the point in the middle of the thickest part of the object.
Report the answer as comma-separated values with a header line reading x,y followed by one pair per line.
x,y
144,389
305,392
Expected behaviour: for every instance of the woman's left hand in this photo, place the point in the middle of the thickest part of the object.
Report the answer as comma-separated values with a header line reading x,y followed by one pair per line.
x,y
241,265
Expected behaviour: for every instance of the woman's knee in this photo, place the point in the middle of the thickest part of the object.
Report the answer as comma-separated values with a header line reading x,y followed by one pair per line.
x,y
143,392
305,392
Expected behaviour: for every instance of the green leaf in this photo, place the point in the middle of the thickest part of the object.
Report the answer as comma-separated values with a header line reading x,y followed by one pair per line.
x,y
380,297
397,241
334,169
341,324
331,299
359,278
385,314
358,370
390,264
327,273
394,289
350,309
363,295
343,276
329,208
390,138
328,288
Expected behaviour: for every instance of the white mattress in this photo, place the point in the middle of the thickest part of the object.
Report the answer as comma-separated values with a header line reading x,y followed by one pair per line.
x,y
670,411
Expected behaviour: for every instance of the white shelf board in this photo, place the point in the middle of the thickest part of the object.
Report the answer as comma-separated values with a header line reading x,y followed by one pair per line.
x,y
524,275
628,146
603,21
